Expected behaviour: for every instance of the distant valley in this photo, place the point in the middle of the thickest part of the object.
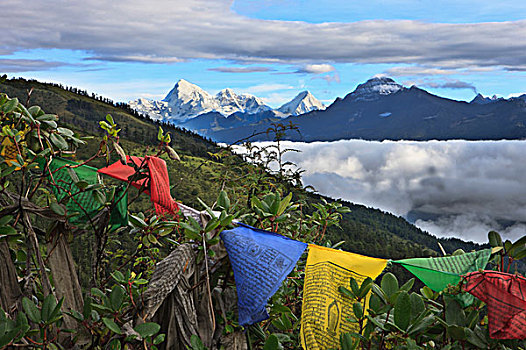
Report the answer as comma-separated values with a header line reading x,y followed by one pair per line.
x,y
378,109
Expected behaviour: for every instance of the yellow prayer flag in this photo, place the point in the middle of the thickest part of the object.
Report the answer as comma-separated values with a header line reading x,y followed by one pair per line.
x,y
325,310
8,151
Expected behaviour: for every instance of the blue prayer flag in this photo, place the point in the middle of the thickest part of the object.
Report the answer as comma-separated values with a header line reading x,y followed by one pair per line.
x,y
261,260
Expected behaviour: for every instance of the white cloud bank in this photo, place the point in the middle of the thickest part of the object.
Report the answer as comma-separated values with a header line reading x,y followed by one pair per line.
x,y
162,31
468,188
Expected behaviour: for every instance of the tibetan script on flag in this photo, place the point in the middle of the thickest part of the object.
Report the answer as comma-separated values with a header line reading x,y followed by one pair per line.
x,y
261,260
325,310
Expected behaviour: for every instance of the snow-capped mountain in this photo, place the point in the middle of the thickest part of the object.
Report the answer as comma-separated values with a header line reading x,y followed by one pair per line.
x,y
375,88
157,110
229,102
186,101
303,103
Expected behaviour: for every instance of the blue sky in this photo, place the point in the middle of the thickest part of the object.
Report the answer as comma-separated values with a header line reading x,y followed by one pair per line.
x,y
272,49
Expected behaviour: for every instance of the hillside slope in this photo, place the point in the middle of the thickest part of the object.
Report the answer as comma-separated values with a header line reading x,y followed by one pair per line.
x,y
365,230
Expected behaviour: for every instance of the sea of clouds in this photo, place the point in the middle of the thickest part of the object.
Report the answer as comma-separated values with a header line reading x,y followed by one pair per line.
x,y
450,188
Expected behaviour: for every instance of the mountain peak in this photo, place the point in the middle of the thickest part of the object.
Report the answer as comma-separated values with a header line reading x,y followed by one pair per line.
x,y
374,87
185,90
228,92
304,102
481,100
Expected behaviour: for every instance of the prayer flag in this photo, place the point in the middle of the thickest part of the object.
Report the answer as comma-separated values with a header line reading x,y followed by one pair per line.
x,y
261,260
325,311
159,182
438,273
119,214
505,295
8,151
83,202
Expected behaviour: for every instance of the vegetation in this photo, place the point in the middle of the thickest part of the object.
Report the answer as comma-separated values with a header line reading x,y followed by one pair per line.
x,y
98,296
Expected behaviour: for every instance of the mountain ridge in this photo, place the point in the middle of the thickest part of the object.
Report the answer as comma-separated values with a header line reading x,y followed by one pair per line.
x,y
186,101
381,109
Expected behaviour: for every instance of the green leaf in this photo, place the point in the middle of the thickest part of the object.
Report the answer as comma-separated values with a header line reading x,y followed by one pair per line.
x,y
31,310
454,312
115,344
147,329
118,276
117,297
47,307
212,225
99,196
44,117
389,284
8,336
420,326
272,343
98,293
366,286
281,308
7,231
72,174
408,285
10,105
475,340
160,134
58,141
456,332
159,339
358,310
4,220
109,118
196,343
284,204
137,221
346,342
427,292
76,315
65,132
354,286
223,201
57,208
227,220
417,305
402,311
111,325
494,239
375,303
347,292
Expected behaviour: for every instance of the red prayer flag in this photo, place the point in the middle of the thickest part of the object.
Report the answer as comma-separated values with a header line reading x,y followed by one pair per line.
x,y
505,295
159,182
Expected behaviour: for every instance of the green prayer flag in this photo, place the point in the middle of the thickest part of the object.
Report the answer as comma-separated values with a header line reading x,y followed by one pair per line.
x,y
438,273
83,202
119,214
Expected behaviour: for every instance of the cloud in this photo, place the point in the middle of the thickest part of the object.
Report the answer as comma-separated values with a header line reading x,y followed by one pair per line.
x,y
315,69
417,71
329,78
456,188
448,84
123,30
240,69
136,58
26,65
267,87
